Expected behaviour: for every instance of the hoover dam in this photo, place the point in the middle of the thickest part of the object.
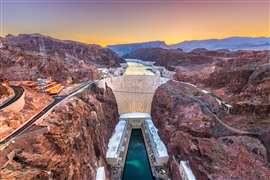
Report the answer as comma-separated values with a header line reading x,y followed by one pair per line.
x,y
135,150
130,125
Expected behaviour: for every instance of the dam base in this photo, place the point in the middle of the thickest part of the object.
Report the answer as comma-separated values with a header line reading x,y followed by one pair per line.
x,y
135,150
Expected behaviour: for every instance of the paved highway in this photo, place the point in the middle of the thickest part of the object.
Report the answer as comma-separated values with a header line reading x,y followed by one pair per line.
x,y
48,108
18,93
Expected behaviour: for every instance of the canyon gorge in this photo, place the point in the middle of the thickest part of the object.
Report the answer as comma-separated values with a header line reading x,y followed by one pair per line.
x,y
213,113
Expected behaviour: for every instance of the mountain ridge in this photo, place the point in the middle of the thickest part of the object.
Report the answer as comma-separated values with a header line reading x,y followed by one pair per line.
x,y
233,43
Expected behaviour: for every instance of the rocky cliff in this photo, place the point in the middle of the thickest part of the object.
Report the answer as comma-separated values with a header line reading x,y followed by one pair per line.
x,y
191,123
243,80
89,53
220,122
6,93
73,146
170,58
28,57
19,66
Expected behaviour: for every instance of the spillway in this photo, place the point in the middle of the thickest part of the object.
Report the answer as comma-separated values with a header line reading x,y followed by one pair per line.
x,y
137,164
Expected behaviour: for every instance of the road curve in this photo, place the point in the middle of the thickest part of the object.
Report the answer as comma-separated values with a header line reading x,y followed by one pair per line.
x,y
48,108
18,93
230,128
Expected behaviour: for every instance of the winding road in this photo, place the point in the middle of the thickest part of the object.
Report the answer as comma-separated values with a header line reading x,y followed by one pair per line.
x,y
207,110
57,100
18,93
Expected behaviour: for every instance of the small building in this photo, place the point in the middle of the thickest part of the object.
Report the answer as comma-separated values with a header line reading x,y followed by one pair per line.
x,y
114,147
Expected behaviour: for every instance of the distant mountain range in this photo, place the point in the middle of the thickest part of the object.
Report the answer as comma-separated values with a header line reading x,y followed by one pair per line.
x,y
122,49
232,43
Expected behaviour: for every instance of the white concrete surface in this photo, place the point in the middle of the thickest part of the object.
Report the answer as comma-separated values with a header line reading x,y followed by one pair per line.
x,y
159,148
101,173
137,115
116,139
133,93
186,171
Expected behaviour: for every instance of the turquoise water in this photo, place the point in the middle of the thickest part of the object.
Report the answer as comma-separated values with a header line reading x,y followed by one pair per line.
x,y
137,166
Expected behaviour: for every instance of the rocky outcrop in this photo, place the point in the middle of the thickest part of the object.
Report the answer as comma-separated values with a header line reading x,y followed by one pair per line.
x,y
29,104
74,145
243,80
190,122
19,66
89,53
6,93
169,58
28,57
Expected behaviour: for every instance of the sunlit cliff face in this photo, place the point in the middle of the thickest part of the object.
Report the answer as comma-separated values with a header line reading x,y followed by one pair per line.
x,y
114,22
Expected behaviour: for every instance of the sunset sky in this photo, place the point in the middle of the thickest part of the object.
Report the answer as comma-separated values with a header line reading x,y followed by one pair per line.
x,y
117,21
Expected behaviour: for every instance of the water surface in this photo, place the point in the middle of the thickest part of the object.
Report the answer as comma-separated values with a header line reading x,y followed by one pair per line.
x,y
135,68
137,166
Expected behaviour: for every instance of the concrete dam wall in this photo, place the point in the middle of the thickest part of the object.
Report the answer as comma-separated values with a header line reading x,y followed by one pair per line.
x,y
133,93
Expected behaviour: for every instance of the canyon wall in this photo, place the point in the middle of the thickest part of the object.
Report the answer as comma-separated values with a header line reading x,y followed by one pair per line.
x,y
74,145
190,123
33,56
220,122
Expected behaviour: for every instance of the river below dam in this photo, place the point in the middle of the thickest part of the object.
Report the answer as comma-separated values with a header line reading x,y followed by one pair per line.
x,y
137,165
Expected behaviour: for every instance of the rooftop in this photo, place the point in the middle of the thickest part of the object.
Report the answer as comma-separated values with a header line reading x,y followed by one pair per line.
x,y
115,140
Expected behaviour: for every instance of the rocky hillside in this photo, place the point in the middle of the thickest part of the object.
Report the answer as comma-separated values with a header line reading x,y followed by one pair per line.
x,y
74,145
216,115
191,123
89,53
170,58
4,91
19,66
28,57
243,78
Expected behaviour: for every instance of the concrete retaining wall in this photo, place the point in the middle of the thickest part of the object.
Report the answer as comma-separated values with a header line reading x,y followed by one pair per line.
x,y
133,93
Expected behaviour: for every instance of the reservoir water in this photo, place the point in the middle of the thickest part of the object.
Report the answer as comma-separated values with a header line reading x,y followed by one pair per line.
x,y
135,68
137,165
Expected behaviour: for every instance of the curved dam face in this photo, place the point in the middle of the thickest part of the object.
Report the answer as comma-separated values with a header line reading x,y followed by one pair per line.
x,y
134,93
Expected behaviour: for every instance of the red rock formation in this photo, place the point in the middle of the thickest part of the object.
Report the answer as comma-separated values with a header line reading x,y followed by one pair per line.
x,y
34,103
90,54
190,123
5,92
75,145
19,66
170,58
28,57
